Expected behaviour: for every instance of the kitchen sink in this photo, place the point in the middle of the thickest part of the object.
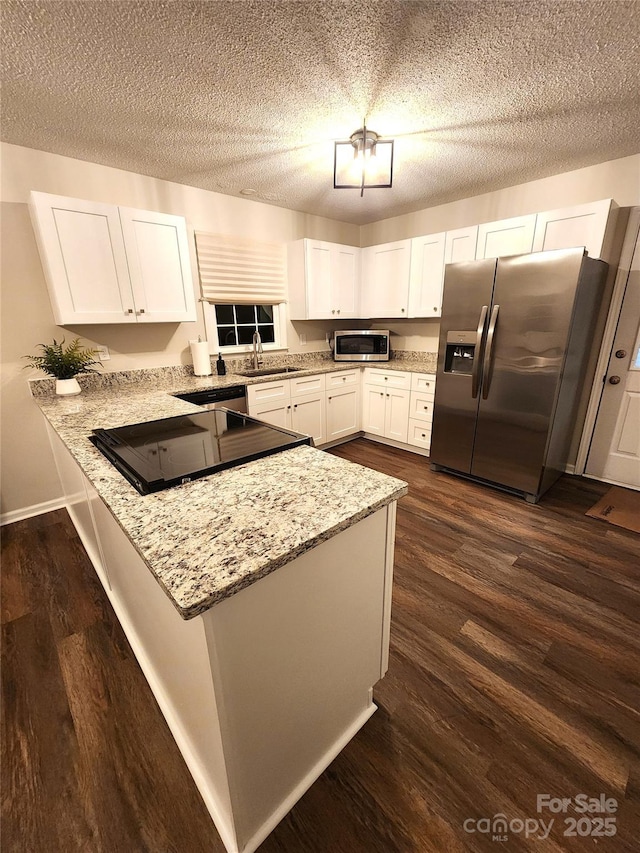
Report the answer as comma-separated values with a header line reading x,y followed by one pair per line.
x,y
268,371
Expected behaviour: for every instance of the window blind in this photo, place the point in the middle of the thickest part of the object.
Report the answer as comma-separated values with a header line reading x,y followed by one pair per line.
x,y
236,271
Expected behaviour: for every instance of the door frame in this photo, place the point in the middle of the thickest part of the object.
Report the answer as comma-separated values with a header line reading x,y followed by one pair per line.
x,y
632,234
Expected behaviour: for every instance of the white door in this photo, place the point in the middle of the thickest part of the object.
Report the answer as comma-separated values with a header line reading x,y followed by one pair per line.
x,y
345,290
615,448
397,415
373,410
84,259
276,413
318,270
460,245
158,258
386,281
427,275
342,413
506,237
307,416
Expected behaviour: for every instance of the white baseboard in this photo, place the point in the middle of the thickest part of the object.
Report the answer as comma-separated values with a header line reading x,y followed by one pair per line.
x,y
31,511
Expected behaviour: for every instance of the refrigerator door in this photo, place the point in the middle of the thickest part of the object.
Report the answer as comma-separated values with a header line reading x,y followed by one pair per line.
x,y
467,297
530,321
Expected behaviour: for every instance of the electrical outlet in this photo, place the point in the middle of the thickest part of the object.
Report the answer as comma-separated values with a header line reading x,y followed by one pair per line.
x,y
302,338
103,352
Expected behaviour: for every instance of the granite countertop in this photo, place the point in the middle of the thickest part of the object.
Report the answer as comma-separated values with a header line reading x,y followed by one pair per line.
x,y
206,540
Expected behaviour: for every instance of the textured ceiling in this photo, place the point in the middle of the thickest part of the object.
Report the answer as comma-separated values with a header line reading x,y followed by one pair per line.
x,y
250,95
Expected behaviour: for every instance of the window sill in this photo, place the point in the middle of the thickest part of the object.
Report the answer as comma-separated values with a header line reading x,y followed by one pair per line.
x,y
246,349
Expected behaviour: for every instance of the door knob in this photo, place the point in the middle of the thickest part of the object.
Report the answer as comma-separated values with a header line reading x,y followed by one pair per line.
x,y
614,380
621,353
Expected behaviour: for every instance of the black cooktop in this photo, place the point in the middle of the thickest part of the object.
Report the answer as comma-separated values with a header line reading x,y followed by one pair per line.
x,y
158,454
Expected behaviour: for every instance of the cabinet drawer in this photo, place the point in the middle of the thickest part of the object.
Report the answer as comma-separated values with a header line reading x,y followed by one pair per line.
x,y
387,378
421,406
425,382
265,392
419,434
343,379
307,384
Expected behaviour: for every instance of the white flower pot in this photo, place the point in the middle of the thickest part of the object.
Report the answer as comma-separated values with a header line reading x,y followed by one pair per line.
x,y
67,387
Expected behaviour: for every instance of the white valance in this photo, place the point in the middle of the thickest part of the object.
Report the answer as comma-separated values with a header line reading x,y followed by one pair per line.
x,y
234,270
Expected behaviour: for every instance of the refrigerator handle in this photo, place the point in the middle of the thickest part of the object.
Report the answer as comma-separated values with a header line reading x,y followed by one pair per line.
x,y
475,374
488,352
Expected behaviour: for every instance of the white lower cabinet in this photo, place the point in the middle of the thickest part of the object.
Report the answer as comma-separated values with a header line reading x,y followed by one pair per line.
x,y
324,406
392,404
385,409
308,416
421,409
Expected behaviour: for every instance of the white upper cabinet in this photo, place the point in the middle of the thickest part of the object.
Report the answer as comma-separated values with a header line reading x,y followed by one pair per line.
x,y
590,225
158,255
105,264
427,275
323,280
460,245
385,280
506,237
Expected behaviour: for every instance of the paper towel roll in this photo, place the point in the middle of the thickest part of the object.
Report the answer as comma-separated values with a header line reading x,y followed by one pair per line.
x,y
200,358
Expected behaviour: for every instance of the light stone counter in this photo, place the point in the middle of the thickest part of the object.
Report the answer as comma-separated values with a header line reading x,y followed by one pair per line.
x,y
206,540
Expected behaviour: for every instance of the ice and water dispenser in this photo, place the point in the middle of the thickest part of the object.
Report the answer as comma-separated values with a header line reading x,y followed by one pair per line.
x,y
460,352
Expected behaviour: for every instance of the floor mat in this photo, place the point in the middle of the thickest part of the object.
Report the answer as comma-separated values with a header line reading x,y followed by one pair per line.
x,y
619,506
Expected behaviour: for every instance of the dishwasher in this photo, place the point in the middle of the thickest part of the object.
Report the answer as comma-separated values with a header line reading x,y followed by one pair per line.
x,y
232,397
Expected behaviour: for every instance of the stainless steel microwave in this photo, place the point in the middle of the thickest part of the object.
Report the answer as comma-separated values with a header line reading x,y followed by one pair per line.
x,y
361,345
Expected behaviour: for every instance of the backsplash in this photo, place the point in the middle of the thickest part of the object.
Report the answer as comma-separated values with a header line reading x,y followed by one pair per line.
x,y
170,377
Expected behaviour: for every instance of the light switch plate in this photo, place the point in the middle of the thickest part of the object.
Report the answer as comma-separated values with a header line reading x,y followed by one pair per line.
x,y
103,352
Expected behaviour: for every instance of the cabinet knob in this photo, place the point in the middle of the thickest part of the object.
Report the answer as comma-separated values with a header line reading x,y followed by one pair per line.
x,y
344,378
382,393
141,311
338,311
288,407
329,398
385,378
423,435
333,310
402,309
387,395
435,308
425,408
295,406
129,311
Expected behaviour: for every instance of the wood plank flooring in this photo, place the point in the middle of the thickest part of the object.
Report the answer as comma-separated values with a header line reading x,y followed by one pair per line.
x,y
514,671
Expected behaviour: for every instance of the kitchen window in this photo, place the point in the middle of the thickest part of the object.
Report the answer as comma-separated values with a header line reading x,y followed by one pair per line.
x,y
236,324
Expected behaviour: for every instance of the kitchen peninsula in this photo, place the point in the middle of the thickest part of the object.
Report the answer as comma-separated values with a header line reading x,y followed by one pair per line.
x,y
257,600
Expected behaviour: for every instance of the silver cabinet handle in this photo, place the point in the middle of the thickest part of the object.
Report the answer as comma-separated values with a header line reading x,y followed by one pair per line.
x,y
486,371
475,373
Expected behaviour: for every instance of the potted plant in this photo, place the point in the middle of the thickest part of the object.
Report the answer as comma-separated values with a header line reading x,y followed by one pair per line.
x,y
64,364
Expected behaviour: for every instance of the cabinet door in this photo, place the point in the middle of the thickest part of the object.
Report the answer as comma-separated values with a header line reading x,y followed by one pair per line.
x,y
583,225
427,276
343,413
346,279
318,273
386,281
308,416
275,413
460,245
158,256
84,259
396,414
373,410
506,237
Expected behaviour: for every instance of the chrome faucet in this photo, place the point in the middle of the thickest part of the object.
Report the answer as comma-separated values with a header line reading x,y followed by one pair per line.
x,y
257,350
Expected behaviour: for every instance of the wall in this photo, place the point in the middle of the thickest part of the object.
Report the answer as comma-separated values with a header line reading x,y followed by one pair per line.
x,y
29,475
616,179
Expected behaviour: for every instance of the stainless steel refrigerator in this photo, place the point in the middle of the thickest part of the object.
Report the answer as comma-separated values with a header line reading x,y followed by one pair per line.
x,y
514,342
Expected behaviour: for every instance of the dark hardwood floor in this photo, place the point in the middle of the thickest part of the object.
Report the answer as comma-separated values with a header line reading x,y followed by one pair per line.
x,y
514,671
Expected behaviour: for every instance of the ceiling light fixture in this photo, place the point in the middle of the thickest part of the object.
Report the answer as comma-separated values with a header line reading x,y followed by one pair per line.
x,y
364,161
